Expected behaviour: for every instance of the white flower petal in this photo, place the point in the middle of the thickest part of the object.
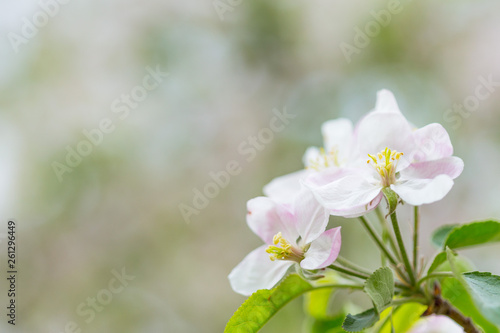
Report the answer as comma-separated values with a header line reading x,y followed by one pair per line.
x,y
451,166
266,218
256,271
436,324
351,195
311,155
423,191
386,102
338,134
284,188
323,250
360,210
384,127
432,142
326,176
311,217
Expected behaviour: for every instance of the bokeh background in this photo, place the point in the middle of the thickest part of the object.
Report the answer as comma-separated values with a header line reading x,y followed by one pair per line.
x,y
230,63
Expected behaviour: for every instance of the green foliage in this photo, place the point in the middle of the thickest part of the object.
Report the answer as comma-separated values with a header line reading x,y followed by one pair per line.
x,y
475,294
456,294
392,199
380,288
455,290
439,236
359,322
403,317
457,236
263,304
332,325
316,303
475,233
485,289
439,259
450,255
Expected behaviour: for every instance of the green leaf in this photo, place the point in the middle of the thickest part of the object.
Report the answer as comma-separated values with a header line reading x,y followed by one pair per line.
x,y
380,287
485,289
333,325
439,236
455,268
475,233
316,303
263,304
439,259
392,199
455,290
456,294
403,317
360,321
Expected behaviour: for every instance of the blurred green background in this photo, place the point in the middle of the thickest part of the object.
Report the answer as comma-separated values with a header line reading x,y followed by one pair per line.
x,y
230,63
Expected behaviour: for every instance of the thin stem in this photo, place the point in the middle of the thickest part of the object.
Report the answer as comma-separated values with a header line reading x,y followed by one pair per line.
x,y
349,264
435,275
377,240
382,247
415,238
401,286
401,244
342,286
402,301
383,258
390,236
348,272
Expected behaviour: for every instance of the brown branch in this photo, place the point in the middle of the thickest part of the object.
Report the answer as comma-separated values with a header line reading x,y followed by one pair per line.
x,y
441,306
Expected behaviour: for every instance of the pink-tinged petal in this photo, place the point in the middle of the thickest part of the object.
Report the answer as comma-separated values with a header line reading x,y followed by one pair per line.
x,y
451,166
311,217
284,188
386,102
256,271
436,324
323,250
348,195
337,135
266,218
432,142
360,210
423,191
326,176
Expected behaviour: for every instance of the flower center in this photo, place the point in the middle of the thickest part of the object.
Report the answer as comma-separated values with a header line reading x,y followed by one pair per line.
x,y
324,160
385,164
284,250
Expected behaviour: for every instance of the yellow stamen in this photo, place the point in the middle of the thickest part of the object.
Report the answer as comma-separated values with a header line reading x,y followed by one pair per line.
x,y
385,163
284,251
324,160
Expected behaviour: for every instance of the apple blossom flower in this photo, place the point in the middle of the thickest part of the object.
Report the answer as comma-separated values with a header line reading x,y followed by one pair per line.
x,y
417,164
293,234
337,140
436,324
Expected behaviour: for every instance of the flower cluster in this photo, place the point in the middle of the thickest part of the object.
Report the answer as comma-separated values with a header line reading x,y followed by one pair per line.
x,y
344,178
